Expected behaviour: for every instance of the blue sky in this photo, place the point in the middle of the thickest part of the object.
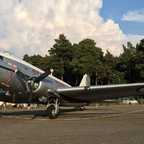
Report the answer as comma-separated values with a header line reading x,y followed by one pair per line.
x,y
30,26
115,9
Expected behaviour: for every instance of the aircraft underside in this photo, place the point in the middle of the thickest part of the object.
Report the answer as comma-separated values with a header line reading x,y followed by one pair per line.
x,y
52,104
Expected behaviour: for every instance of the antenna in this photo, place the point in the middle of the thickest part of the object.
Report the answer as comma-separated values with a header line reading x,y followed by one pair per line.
x,y
6,52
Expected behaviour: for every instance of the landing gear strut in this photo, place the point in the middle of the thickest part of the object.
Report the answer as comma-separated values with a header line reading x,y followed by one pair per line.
x,y
1,107
52,108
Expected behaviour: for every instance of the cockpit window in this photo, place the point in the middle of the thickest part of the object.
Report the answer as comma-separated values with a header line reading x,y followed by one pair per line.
x,y
1,58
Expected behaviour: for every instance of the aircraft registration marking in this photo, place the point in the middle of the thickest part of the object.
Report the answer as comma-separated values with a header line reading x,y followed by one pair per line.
x,y
35,72
60,84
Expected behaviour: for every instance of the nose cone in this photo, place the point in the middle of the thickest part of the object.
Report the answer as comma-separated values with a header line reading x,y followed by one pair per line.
x,y
2,73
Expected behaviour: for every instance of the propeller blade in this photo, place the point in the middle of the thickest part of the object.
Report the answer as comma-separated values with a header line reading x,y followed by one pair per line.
x,y
42,76
30,97
23,76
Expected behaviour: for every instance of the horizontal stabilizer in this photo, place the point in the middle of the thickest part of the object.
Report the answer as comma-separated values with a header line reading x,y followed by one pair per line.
x,y
85,81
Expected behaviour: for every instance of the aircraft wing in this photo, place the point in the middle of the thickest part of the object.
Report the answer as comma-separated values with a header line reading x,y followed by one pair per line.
x,y
102,92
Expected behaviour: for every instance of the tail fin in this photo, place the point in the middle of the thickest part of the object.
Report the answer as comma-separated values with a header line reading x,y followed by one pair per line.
x,y
85,81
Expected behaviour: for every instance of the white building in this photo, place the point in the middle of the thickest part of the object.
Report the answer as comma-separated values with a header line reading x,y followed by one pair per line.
x,y
1,103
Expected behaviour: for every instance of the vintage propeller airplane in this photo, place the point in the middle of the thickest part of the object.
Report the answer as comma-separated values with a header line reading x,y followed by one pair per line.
x,y
24,83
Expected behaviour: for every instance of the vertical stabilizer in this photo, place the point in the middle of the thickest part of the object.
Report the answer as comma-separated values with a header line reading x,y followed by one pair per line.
x,y
85,81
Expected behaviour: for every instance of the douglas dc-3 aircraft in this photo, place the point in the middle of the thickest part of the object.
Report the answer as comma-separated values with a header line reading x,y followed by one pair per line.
x,y
24,83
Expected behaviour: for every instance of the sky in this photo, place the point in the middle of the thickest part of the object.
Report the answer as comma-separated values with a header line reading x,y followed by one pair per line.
x,y
30,26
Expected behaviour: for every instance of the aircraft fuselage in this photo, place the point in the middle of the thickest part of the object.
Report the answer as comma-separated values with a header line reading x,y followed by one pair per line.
x,y
16,87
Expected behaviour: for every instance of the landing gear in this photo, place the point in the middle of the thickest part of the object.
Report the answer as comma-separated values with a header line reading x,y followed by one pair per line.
x,y
51,112
2,105
1,108
52,108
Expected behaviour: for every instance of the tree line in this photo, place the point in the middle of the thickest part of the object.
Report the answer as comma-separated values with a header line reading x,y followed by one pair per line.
x,y
71,61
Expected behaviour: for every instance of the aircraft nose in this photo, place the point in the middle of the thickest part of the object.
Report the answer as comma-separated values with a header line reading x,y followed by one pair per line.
x,y
6,72
2,71
3,76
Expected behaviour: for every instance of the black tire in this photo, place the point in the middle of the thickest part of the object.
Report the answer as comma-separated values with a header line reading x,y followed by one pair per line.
x,y
50,112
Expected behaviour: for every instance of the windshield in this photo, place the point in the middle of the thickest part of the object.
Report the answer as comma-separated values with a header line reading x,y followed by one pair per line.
x,y
1,58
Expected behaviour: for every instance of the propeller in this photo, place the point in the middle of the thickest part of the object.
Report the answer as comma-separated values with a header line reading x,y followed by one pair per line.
x,y
23,76
31,82
29,96
42,76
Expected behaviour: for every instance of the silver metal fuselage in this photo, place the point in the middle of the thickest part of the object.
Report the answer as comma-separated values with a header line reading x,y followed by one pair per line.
x,y
12,83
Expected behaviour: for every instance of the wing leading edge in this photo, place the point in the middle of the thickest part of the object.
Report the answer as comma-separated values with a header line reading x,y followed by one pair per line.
x,y
102,92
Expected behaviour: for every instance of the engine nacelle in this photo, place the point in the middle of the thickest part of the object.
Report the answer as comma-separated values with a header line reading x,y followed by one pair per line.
x,y
41,88
43,99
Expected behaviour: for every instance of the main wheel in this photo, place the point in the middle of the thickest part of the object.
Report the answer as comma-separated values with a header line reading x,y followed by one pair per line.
x,y
51,112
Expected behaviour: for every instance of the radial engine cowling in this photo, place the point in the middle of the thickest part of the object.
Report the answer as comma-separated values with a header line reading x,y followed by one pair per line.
x,y
41,88
43,99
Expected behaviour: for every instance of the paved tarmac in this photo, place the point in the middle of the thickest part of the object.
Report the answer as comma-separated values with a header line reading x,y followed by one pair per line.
x,y
104,125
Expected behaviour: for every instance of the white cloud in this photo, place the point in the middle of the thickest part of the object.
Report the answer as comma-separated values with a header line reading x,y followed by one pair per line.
x,y
134,39
30,27
137,16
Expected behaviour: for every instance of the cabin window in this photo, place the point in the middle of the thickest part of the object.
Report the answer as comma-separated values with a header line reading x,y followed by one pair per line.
x,y
25,68
1,58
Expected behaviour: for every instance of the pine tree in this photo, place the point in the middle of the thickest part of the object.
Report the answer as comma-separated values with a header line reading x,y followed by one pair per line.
x,y
61,55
